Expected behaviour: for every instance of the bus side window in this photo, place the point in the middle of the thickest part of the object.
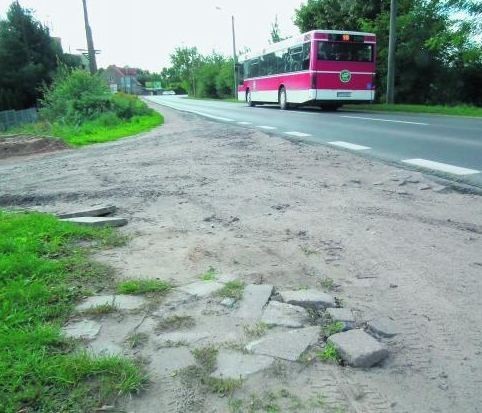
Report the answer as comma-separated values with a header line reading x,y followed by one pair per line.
x,y
241,73
286,63
254,68
279,64
306,56
296,57
270,64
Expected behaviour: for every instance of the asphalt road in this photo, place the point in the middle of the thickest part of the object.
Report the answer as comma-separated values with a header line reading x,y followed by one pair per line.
x,y
449,147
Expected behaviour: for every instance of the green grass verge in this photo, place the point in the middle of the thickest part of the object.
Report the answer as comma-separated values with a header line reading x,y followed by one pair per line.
x,y
43,272
232,100
103,129
459,110
143,287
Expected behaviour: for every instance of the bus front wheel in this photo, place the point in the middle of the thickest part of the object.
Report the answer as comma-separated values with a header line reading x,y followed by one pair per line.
x,y
249,99
283,102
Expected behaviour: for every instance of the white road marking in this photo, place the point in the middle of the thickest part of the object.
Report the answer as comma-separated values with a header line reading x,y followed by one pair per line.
x,y
385,120
244,123
266,127
348,145
438,166
297,134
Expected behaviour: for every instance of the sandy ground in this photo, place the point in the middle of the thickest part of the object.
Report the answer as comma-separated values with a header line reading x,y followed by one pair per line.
x,y
200,194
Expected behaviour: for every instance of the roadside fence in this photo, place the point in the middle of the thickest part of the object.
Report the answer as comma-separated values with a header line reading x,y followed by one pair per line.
x,y
11,118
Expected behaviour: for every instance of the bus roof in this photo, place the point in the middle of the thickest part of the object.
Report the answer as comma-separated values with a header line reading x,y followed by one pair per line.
x,y
300,38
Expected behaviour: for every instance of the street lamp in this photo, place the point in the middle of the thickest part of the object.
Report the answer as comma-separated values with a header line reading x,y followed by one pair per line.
x,y
235,58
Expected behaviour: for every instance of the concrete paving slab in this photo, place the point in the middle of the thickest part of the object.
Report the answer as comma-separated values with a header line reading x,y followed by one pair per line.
x,y
358,349
287,345
233,365
284,315
97,221
167,360
91,212
382,327
254,299
129,302
309,298
95,301
84,329
201,289
342,315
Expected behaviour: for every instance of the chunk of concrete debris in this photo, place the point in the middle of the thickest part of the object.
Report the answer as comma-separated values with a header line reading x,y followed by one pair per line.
x,y
233,365
201,289
95,301
424,187
254,299
358,349
93,212
167,361
309,298
342,315
228,302
129,302
286,345
84,329
382,327
284,315
98,221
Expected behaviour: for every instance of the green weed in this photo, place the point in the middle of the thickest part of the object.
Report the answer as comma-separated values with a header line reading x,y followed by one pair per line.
x,y
100,310
332,328
209,275
175,322
329,353
138,287
255,331
232,289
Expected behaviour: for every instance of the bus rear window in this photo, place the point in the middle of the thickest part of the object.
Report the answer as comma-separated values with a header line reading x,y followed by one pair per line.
x,y
345,52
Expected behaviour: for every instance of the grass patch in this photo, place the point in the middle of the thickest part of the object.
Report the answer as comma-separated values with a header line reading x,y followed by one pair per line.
x,y
330,354
105,128
255,331
100,310
175,322
206,357
458,110
43,272
328,283
332,328
138,287
137,340
209,275
232,289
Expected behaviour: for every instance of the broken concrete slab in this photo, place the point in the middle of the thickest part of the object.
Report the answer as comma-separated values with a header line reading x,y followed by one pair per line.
x,y
284,315
167,360
105,348
95,301
309,298
382,327
228,302
176,338
342,315
233,365
254,299
201,289
84,329
92,212
287,345
97,221
358,349
129,302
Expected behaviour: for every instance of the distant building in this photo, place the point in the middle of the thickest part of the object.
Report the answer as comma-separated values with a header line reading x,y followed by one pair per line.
x,y
123,79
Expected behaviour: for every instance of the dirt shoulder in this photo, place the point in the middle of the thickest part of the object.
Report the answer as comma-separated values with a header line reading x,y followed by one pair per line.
x,y
201,194
20,145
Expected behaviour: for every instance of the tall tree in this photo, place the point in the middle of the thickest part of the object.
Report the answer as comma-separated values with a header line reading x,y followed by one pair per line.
x,y
28,58
275,32
186,61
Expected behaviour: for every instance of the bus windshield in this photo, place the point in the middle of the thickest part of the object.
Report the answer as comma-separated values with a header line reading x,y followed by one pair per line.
x,y
346,52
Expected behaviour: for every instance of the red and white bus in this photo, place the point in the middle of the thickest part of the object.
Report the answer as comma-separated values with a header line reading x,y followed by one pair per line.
x,y
326,68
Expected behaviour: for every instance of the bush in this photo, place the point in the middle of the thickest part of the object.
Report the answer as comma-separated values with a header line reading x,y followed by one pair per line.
x,y
126,106
75,97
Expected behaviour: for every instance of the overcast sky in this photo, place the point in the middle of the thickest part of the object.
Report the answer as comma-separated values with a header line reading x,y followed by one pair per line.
x,y
142,33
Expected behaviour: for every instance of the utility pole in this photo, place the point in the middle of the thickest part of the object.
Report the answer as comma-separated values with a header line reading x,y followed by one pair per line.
x,y
90,41
391,53
235,61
